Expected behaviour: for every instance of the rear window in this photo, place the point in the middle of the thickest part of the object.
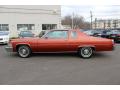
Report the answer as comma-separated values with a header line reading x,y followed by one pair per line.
x,y
73,34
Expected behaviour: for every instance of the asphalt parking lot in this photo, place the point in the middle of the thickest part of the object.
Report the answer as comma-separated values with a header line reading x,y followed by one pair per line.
x,y
48,69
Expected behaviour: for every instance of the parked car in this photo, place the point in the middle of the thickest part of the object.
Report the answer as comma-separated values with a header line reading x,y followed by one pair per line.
x,y
115,35
89,32
97,33
105,33
4,37
24,34
94,33
83,30
61,41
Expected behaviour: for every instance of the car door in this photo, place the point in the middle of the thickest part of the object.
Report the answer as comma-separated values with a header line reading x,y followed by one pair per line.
x,y
73,41
54,41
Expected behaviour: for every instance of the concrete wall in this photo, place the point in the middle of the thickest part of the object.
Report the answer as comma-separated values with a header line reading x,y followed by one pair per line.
x,y
29,14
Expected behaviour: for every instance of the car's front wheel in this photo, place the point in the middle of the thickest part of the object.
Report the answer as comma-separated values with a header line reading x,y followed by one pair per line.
x,y
85,52
24,51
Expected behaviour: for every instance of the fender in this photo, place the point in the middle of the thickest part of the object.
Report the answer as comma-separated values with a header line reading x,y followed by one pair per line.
x,y
80,46
21,44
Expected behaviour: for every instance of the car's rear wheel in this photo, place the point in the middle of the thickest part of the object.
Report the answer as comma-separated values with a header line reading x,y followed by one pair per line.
x,y
85,52
24,51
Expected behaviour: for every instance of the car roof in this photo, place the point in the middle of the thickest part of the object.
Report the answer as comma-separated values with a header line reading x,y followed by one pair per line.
x,y
64,30
25,31
59,29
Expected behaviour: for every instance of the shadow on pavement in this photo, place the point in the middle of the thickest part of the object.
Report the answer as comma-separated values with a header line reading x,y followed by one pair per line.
x,y
2,45
54,54
59,55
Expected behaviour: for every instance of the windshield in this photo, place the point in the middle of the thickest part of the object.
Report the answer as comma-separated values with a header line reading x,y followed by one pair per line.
x,y
26,34
4,33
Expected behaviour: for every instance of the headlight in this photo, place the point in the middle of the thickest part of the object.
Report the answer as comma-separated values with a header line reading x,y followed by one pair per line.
x,y
6,38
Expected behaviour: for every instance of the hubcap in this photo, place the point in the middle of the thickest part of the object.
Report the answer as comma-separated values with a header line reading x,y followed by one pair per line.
x,y
86,52
23,51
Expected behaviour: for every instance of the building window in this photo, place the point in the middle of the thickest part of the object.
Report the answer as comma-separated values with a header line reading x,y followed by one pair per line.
x,y
4,27
25,26
49,26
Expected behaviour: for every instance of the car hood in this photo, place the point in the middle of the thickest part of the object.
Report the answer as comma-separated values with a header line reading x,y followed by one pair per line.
x,y
24,39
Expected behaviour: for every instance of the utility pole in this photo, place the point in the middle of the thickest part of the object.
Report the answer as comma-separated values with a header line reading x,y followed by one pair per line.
x,y
95,23
72,20
91,16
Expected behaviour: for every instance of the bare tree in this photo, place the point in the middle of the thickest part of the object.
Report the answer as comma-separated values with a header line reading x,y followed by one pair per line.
x,y
78,22
67,20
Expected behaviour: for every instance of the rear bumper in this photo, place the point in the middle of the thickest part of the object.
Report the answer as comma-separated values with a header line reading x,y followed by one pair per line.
x,y
9,48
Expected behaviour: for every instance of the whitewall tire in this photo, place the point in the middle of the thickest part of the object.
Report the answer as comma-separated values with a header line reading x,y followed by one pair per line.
x,y
85,52
24,51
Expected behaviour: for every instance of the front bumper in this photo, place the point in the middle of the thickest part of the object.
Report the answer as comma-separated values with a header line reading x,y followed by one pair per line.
x,y
4,41
113,48
9,48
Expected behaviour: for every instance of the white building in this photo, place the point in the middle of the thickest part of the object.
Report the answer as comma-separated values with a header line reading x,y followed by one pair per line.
x,y
106,24
16,18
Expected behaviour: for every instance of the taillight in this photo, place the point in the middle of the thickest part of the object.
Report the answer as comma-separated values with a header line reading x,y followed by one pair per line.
x,y
113,42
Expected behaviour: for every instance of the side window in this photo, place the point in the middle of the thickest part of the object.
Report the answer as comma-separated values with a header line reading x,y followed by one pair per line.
x,y
73,34
57,35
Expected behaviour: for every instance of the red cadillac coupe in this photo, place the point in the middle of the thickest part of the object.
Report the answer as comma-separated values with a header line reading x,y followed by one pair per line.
x,y
61,41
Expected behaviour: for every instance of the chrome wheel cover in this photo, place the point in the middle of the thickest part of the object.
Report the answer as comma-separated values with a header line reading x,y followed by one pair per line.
x,y
86,52
23,51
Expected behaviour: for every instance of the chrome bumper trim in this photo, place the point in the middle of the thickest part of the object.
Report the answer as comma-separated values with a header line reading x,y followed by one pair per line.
x,y
9,48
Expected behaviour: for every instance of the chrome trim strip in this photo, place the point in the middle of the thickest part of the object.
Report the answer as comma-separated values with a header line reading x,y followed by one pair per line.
x,y
9,48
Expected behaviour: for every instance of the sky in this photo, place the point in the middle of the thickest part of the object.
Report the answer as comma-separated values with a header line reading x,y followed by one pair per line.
x,y
99,11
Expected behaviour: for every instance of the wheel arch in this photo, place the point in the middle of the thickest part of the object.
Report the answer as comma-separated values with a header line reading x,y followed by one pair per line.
x,y
22,44
92,46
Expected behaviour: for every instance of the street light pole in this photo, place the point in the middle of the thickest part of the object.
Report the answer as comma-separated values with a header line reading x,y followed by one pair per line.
x,y
72,20
95,23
